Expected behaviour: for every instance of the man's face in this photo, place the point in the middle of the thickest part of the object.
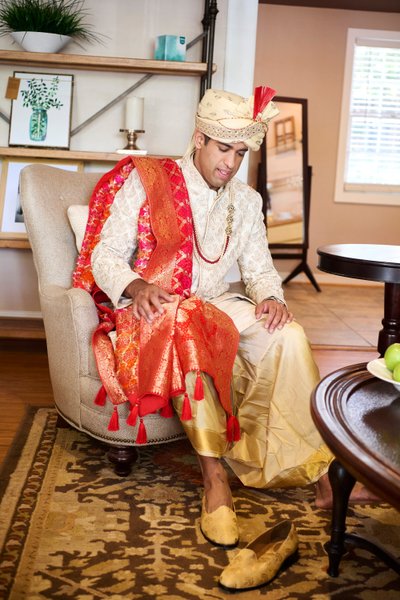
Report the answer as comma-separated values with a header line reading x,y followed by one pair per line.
x,y
217,162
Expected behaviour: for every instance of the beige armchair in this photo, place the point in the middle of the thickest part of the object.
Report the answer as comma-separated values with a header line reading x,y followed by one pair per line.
x,y
70,315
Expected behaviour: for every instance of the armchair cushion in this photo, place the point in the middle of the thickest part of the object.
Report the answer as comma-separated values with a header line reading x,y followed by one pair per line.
x,y
78,215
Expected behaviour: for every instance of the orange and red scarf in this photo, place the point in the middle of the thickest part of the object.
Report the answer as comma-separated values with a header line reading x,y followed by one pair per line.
x,y
149,362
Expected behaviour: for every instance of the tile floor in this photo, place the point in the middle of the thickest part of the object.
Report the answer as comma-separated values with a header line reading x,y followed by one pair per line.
x,y
340,315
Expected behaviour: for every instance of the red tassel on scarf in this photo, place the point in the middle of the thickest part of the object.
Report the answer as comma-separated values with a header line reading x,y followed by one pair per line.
x,y
100,399
232,429
133,415
167,411
186,409
114,421
262,95
142,435
198,388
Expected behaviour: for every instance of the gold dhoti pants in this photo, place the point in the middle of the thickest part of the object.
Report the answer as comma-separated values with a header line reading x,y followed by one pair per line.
x,y
274,375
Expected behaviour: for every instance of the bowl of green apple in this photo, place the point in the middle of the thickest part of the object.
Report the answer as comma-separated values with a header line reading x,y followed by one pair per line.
x,y
388,367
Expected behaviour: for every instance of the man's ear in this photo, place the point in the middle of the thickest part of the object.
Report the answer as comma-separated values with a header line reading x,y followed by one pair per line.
x,y
198,138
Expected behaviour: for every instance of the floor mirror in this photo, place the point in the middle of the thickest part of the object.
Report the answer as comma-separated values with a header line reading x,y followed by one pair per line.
x,y
284,182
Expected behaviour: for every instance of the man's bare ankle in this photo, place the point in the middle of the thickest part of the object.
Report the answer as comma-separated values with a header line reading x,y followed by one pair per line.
x,y
217,492
216,484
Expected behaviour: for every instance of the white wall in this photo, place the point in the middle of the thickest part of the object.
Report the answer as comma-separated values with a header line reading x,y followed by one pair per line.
x,y
170,102
131,27
240,57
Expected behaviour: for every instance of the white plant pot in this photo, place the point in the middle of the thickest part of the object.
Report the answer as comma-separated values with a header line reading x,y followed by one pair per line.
x,y
36,41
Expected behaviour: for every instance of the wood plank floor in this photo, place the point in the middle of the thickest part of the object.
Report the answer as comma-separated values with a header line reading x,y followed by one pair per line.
x,y
25,380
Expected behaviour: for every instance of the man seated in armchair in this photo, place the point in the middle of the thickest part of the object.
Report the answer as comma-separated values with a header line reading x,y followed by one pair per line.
x,y
237,369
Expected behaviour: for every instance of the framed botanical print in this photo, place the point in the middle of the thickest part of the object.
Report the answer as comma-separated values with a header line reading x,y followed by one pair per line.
x,y
11,215
41,112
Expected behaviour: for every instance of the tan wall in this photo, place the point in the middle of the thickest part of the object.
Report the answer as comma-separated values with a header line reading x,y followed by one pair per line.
x,y
300,52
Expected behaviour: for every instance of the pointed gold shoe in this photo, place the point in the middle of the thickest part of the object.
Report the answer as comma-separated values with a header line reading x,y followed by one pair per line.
x,y
262,559
220,526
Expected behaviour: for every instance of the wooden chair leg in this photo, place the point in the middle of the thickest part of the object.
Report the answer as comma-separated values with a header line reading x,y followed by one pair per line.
x,y
123,458
62,423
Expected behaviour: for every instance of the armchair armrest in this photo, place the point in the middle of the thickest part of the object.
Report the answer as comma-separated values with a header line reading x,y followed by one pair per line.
x,y
70,317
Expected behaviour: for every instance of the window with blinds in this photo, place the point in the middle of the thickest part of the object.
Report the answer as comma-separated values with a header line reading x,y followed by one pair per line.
x,y
368,168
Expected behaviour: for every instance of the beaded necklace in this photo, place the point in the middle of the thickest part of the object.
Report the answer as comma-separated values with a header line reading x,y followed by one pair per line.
x,y
228,231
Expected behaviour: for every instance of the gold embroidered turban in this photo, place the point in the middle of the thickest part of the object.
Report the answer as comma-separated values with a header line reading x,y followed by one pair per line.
x,y
230,118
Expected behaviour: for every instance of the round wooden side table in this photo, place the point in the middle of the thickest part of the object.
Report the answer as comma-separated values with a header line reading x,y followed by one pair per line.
x,y
374,262
358,416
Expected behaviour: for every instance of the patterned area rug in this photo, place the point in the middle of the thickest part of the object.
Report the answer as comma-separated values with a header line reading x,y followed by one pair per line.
x,y
70,528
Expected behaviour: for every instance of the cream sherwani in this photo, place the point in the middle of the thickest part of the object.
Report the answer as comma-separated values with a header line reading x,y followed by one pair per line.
x,y
274,374
248,244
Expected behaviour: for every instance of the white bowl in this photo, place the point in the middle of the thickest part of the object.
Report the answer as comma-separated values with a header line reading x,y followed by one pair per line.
x,y
379,369
35,41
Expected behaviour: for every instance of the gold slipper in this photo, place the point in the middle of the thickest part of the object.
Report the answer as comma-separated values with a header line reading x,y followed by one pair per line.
x,y
262,559
220,526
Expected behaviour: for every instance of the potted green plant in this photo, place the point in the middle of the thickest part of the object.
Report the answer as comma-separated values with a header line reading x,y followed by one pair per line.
x,y
57,22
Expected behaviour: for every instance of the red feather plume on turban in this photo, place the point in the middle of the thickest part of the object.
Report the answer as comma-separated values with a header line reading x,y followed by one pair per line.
x,y
262,95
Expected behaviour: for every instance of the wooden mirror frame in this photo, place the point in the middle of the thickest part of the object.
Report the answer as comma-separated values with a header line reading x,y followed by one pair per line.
x,y
296,250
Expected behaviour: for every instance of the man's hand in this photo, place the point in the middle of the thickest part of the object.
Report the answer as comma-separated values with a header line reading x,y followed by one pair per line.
x,y
147,299
277,314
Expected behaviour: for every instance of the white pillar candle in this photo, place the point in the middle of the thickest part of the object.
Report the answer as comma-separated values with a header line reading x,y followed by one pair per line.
x,y
134,113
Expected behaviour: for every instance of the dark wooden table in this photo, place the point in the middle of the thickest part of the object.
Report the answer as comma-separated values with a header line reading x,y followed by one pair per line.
x,y
375,263
358,417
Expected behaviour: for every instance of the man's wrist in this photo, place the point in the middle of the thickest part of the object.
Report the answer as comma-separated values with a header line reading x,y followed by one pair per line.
x,y
134,287
276,299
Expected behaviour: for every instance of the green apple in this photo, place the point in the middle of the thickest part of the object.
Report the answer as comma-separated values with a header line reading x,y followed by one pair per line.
x,y
392,356
396,373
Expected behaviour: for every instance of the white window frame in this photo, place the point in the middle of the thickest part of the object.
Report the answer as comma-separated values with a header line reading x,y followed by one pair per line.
x,y
356,196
